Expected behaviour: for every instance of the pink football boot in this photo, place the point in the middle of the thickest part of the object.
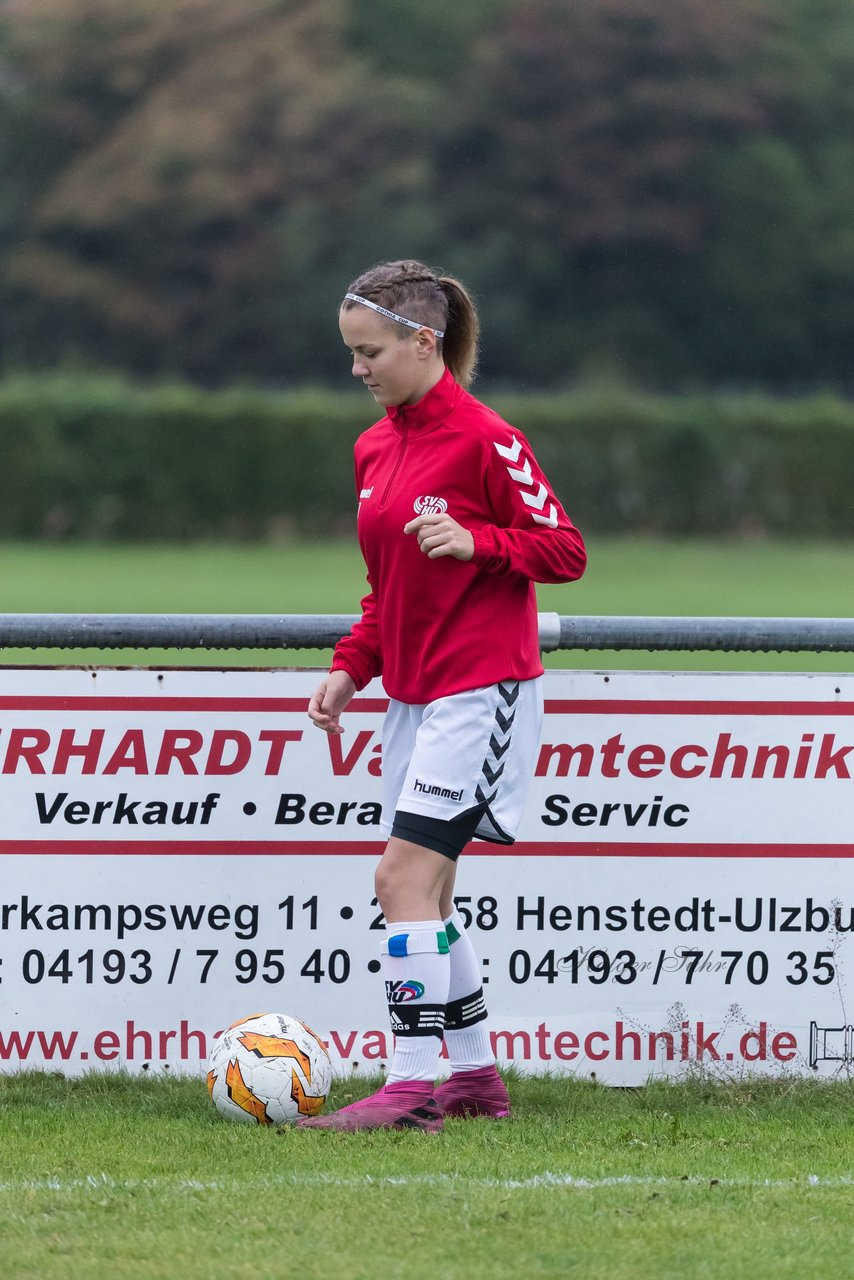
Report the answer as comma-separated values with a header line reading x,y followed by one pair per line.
x,y
474,1093
407,1104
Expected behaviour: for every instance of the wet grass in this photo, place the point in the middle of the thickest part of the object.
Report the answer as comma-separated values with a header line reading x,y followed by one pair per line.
x,y
118,1176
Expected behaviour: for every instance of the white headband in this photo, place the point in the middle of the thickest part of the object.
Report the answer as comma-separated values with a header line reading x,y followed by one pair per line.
x,y
392,315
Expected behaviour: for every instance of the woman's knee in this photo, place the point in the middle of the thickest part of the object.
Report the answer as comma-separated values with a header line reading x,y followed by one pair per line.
x,y
386,880
410,878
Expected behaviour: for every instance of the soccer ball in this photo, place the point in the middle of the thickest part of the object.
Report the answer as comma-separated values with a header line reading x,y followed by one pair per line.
x,y
268,1069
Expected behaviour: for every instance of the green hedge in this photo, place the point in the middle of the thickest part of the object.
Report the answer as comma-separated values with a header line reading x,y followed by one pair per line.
x,y
101,458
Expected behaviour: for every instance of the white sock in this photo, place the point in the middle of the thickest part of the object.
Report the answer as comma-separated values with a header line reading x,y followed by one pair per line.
x,y
467,1040
417,968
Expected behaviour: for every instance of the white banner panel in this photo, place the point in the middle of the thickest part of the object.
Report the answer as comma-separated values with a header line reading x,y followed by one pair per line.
x,y
181,848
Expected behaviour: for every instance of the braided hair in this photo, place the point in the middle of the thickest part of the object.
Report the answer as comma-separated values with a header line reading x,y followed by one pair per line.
x,y
415,291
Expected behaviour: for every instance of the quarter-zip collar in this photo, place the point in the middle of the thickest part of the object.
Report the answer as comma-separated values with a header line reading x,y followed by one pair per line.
x,y
431,410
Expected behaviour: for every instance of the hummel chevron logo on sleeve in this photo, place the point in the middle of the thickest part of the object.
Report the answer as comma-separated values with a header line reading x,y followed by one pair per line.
x,y
522,475
511,452
536,500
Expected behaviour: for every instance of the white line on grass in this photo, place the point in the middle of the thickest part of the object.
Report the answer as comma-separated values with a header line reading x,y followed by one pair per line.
x,y
538,1181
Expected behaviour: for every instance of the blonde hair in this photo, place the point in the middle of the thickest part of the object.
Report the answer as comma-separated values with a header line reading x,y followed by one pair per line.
x,y
416,292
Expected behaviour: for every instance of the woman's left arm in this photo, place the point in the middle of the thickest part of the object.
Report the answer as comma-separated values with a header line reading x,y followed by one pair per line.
x,y
532,534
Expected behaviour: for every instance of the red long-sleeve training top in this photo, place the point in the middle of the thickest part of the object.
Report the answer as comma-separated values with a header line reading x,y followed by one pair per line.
x,y
437,627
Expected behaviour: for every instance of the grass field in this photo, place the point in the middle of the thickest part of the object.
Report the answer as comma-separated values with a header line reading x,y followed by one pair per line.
x,y
625,576
112,1178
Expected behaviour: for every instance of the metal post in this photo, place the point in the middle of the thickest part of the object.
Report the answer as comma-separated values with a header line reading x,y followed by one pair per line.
x,y
322,631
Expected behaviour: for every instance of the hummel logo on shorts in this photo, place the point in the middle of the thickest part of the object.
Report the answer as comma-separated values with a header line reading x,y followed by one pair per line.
x,y
433,789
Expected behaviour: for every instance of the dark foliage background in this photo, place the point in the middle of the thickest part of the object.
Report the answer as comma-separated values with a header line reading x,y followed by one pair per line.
x,y
654,190
99,458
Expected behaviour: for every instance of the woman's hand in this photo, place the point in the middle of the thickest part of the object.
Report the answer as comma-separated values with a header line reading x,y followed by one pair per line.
x,y
440,535
329,699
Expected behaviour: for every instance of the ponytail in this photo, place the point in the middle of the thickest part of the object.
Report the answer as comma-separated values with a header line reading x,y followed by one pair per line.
x,y
411,289
460,347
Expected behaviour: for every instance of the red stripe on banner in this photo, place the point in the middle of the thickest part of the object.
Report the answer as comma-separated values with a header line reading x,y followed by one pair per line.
x,y
675,707
192,848
271,705
152,704
372,848
368,706
650,849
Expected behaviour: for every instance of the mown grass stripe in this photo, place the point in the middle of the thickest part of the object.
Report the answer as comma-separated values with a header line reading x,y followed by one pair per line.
x,y
539,1181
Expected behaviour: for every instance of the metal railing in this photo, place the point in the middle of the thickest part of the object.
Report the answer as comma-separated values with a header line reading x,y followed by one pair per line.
x,y
322,631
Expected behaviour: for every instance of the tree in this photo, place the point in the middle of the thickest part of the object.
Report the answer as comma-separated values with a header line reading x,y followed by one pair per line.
x,y
659,187
592,130
212,151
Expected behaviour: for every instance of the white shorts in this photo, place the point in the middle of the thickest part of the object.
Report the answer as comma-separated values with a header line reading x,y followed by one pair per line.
x,y
469,755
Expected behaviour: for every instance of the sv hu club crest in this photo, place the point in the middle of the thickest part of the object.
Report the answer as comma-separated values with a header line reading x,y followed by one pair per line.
x,y
427,505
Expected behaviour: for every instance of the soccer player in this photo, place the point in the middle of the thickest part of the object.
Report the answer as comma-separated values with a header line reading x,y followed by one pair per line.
x,y
456,523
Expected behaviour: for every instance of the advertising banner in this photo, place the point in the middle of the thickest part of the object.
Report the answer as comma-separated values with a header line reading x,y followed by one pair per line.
x,y
181,848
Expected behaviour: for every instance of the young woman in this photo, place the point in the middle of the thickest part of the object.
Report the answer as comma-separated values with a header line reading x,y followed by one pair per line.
x,y
456,523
